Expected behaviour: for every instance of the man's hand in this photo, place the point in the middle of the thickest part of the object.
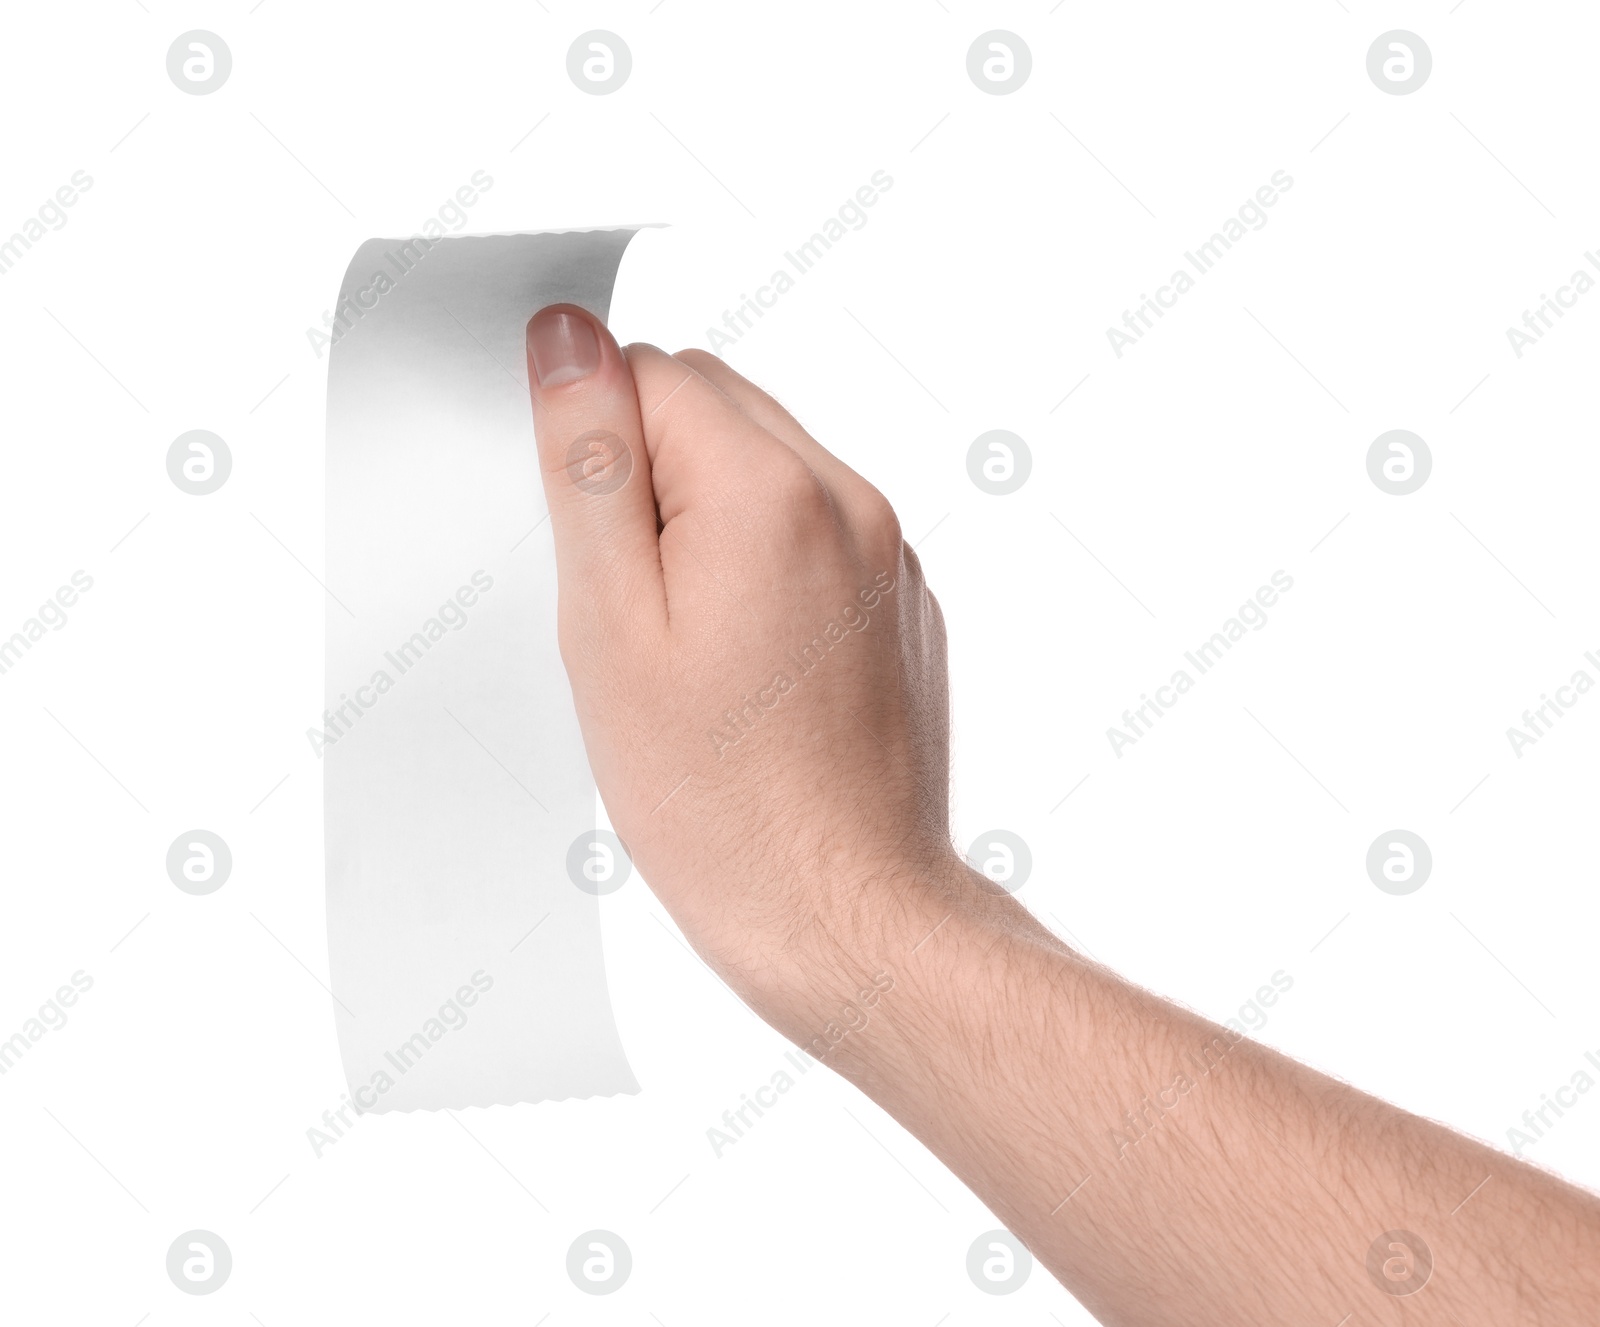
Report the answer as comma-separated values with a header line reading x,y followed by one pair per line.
x,y
759,673
757,663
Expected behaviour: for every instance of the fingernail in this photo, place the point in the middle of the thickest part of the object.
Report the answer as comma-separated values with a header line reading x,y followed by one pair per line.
x,y
563,348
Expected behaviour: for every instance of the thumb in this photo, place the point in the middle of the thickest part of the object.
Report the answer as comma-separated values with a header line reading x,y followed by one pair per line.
x,y
596,475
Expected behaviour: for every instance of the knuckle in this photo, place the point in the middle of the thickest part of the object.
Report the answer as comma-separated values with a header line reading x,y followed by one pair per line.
x,y
912,565
879,524
795,488
657,377
696,358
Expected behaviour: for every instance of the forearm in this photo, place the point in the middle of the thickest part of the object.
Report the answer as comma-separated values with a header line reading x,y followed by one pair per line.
x,y
1166,1170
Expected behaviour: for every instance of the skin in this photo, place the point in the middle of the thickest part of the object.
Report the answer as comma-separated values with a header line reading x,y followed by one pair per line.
x,y
783,784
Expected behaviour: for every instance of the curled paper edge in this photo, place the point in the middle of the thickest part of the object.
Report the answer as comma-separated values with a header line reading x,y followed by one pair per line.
x,y
500,1062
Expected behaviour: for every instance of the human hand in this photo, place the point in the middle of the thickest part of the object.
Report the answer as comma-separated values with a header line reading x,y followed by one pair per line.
x,y
759,672
758,666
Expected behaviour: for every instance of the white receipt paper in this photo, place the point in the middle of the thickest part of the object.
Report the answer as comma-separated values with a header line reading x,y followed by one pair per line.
x,y
466,965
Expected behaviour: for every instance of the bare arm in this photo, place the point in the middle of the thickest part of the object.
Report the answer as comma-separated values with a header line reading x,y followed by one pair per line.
x,y
1169,1171
759,672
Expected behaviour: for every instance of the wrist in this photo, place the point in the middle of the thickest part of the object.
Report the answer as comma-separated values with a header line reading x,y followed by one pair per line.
x,y
871,980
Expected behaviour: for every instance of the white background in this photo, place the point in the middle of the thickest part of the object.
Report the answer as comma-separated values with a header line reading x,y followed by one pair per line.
x,y
1225,446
